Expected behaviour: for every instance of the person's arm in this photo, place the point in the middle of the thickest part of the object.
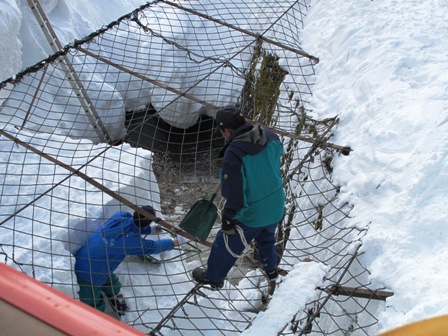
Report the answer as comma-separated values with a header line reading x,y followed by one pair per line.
x,y
232,184
135,245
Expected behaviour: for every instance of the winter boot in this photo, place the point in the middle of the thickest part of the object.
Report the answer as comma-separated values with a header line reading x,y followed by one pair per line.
x,y
118,303
272,277
199,276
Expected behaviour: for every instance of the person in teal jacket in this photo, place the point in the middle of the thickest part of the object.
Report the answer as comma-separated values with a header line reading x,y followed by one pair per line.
x,y
252,185
99,257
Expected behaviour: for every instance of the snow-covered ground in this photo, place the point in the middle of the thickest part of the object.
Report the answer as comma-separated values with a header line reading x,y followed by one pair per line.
x,y
383,71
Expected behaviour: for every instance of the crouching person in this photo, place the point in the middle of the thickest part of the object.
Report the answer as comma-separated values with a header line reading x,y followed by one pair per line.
x,y
105,249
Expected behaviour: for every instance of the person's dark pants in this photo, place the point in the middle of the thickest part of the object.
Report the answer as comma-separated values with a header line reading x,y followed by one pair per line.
x,y
220,261
93,295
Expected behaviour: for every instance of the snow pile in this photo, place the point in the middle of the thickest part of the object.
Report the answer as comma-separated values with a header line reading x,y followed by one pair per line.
x,y
10,43
383,70
183,61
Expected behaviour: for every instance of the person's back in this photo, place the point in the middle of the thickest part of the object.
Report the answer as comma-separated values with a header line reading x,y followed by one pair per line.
x,y
257,188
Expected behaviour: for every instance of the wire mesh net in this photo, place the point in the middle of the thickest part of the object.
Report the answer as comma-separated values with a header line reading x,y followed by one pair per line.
x,y
124,117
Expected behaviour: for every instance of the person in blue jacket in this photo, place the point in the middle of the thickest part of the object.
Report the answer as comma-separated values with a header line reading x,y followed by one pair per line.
x,y
105,249
252,185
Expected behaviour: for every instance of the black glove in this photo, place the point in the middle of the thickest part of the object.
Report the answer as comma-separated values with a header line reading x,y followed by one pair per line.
x,y
228,225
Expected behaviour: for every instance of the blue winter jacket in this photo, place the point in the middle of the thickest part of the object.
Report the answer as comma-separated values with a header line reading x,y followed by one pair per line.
x,y
111,243
251,180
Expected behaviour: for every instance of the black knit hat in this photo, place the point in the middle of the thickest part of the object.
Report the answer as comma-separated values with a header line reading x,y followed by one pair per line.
x,y
141,220
229,117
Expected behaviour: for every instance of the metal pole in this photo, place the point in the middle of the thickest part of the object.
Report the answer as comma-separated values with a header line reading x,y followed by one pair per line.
x,y
70,71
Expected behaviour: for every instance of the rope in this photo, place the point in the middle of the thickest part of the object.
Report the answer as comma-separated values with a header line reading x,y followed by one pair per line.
x,y
243,240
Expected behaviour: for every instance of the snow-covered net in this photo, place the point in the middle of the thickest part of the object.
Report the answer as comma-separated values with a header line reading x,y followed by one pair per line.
x,y
124,117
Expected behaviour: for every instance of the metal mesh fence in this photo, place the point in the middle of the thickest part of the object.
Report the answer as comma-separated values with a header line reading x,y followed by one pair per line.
x,y
124,117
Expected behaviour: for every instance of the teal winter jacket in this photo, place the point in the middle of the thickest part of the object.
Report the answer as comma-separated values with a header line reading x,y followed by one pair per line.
x,y
251,180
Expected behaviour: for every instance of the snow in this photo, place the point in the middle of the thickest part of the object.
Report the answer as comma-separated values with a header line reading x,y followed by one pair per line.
x,y
383,71
10,44
185,73
291,296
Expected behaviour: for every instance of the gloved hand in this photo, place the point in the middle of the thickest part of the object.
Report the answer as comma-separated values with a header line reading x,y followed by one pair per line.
x,y
182,240
155,228
228,225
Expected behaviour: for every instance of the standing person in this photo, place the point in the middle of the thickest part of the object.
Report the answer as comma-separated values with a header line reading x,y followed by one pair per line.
x,y
252,185
103,252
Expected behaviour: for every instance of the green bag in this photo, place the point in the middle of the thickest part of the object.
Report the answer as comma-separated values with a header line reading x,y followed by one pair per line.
x,y
200,218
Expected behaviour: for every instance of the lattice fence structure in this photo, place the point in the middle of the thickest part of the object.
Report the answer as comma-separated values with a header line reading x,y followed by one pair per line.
x,y
124,117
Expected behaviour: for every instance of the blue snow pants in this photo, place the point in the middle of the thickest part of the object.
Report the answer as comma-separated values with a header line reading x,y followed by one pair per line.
x,y
220,261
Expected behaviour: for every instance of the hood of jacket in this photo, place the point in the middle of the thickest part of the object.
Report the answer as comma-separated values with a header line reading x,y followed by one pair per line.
x,y
121,223
251,139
